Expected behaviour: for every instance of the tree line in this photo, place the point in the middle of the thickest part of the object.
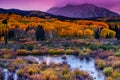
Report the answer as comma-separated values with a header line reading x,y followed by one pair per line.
x,y
16,26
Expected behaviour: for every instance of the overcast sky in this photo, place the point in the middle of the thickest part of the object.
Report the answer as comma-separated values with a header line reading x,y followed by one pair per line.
x,y
44,5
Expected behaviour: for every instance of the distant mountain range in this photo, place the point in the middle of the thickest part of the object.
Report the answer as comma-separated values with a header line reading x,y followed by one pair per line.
x,y
22,12
31,13
82,11
69,12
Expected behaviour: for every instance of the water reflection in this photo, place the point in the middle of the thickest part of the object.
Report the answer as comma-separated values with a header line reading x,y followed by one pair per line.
x,y
76,62
73,61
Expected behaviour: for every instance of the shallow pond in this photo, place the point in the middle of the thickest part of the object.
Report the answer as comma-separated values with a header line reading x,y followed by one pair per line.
x,y
8,73
73,61
76,62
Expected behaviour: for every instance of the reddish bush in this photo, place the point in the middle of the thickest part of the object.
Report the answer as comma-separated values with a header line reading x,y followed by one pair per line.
x,y
105,54
113,61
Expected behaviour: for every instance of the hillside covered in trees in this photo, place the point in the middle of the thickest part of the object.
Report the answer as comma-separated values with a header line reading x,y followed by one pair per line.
x,y
19,27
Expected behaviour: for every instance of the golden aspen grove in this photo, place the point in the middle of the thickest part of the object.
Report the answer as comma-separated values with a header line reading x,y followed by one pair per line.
x,y
75,28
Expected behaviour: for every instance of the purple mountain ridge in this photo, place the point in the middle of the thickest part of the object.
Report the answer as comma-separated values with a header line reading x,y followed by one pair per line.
x,y
82,11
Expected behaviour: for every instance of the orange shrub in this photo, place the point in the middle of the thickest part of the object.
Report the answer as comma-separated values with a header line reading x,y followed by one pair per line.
x,y
100,63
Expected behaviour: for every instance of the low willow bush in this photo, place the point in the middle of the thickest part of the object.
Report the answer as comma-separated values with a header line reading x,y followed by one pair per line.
x,y
7,56
26,46
22,52
22,46
104,47
85,52
39,52
31,70
56,51
116,75
35,52
19,61
101,64
93,47
5,51
109,47
108,71
117,54
109,78
29,47
105,54
69,51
